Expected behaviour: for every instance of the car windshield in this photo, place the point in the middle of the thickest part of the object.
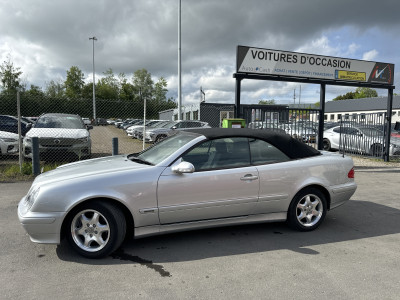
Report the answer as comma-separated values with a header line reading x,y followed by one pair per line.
x,y
371,131
160,151
70,122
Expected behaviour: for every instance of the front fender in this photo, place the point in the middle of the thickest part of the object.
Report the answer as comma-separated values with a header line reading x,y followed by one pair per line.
x,y
136,189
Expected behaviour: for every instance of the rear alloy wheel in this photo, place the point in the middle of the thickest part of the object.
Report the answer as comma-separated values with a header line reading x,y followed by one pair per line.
x,y
307,210
95,229
326,144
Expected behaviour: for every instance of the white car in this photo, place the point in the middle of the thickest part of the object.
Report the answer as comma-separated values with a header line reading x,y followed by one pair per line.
x,y
86,121
8,143
59,134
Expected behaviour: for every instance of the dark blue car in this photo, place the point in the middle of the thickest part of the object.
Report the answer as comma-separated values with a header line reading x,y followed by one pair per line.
x,y
10,124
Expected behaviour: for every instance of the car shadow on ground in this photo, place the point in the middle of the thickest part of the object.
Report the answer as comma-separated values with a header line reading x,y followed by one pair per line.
x,y
353,221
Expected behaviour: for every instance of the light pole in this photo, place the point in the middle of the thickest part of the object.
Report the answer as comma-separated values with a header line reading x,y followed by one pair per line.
x,y
94,95
179,63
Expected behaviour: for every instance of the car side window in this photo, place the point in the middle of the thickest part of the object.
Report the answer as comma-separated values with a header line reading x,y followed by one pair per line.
x,y
264,153
337,130
219,154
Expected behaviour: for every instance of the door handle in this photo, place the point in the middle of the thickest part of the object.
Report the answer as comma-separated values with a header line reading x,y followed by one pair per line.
x,y
249,177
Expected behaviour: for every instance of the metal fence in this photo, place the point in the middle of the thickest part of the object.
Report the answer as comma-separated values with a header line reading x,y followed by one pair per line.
x,y
301,124
364,135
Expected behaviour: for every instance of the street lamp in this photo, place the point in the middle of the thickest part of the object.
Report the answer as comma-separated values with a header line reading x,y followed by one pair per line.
x,y
94,95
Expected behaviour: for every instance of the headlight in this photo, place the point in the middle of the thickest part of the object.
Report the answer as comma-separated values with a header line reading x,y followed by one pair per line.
x,y
31,198
83,140
8,140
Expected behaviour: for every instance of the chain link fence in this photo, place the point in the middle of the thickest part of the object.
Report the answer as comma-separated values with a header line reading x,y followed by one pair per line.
x,y
66,128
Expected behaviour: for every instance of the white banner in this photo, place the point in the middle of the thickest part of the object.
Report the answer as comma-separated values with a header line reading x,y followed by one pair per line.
x,y
276,62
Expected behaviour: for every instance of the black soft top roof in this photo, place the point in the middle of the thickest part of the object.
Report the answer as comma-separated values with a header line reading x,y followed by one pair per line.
x,y
294,149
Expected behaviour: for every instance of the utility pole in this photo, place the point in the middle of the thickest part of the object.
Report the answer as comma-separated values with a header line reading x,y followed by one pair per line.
x,y
179,64
300,94
294,96
94,95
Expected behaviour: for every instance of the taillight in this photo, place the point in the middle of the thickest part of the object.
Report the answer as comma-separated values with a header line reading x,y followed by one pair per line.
x,y
351,173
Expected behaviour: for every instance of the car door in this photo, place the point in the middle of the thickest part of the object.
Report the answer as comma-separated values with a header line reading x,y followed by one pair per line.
x,y
277,175
223,185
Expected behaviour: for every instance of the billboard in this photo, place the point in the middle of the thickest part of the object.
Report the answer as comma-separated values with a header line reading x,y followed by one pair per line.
x,y
294,64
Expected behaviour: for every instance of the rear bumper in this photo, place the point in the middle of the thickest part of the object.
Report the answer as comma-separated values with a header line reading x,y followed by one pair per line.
x,y
43,228
340,194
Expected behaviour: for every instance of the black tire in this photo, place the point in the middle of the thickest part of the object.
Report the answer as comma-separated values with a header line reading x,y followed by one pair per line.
x,y
159,138
112,215
293,212
327,145
376,150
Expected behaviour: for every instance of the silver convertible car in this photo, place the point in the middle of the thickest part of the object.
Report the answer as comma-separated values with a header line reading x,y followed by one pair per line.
x,y
197,178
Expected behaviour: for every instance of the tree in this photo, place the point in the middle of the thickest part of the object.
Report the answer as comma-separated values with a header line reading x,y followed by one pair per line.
x,y
35,91
160,90
362,92
54,87
126,89
267,102
108,86
143,83
74,82
10,75
349,95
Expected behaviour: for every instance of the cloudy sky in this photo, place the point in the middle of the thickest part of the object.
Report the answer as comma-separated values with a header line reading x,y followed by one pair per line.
x,y
45,38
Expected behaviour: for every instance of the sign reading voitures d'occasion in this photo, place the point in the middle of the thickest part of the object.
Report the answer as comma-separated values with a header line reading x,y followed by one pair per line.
x,y
276,62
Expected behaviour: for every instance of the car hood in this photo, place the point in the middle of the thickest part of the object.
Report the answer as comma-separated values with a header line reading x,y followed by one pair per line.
x,y
8,135
57,133
91,167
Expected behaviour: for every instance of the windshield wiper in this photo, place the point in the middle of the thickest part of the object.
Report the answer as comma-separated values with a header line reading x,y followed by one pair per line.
x,y
140,160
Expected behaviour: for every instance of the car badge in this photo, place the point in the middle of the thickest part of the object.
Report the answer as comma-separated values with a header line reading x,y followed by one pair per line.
x,y
57,142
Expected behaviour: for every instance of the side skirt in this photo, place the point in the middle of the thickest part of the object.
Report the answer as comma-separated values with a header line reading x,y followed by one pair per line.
x,y
141,232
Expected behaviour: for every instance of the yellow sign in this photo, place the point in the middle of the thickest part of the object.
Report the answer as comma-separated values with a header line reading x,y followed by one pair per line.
x,y
350,75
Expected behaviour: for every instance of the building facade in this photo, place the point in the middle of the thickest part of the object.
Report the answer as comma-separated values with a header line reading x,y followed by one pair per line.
x,y
348,109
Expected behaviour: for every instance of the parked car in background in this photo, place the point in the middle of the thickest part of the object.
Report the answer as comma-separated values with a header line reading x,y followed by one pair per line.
x,y
10,124
126,125
86,121
8,143
138,131
157,134
60,134
298,132
101,122
364,140
110,122
198,178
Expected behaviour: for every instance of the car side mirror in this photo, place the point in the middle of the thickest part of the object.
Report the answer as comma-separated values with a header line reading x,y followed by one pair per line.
x,y
29,125
183,167
89,127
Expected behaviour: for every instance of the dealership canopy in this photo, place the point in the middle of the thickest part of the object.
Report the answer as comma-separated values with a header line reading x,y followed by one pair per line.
x,y
293,64
276,65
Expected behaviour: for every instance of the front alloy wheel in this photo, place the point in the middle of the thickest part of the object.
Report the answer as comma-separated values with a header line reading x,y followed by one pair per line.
x,y
95,229
307,210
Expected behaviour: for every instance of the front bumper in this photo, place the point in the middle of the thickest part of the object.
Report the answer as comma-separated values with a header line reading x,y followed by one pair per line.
x,y
80,150
9,148
43,228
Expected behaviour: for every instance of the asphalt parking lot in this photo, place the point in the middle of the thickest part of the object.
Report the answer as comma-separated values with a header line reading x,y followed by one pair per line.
x,y
354,254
